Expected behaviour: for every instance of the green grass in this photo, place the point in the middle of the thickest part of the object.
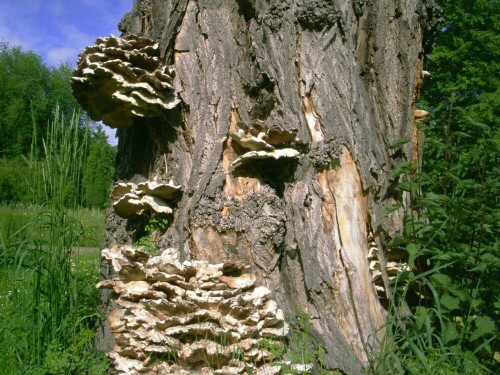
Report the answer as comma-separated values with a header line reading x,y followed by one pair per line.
x,y
16,224
19,294
15,299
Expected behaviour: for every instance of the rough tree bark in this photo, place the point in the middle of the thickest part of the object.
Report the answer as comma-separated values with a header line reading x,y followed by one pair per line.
x,y
344,75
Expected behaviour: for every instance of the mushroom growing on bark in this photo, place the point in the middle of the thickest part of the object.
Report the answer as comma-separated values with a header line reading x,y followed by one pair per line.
x,y
122,78
130,199
264,143
208,317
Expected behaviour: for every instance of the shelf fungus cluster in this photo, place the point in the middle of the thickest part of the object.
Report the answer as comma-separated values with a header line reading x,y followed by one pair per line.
x,y
420,114
189,318
264,143
395,265
133,199
121,78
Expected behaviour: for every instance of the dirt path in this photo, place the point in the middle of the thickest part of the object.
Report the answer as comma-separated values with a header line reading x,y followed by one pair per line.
x,y
85,250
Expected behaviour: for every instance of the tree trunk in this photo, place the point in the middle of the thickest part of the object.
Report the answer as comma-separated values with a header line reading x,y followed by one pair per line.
x,y
341,75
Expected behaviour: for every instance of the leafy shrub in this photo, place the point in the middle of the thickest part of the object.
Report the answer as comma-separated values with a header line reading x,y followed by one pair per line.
x,y
13,184
79,358
156,225
445,314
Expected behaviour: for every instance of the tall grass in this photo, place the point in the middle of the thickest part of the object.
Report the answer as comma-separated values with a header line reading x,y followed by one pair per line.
x,y
53,284
424,339
51,294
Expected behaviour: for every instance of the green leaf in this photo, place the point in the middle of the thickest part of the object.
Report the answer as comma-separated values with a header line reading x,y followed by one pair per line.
x,y
484,326
398,241
450,303
442,280
413,249
390,209
401,168
472,364
421,313
450,333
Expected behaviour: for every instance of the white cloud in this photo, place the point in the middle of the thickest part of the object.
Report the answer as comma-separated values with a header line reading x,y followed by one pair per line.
x,y
67,47
56,56
45,27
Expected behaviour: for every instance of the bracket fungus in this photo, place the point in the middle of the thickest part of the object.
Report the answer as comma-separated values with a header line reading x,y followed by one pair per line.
x,y
189,317
395,265
122,78
276,154
264,143
420,114
131,199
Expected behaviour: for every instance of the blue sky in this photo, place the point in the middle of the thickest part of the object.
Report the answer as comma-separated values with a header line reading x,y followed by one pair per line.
x,y
59,30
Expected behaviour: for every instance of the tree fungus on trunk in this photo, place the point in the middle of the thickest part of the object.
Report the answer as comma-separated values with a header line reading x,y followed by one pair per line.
x,y
280,143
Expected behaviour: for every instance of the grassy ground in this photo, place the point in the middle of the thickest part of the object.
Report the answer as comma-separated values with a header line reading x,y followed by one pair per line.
x,y
20,237
15,299
15,225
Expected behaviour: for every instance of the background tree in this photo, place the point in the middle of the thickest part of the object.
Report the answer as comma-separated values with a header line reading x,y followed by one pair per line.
x,y
14,174
29,88
461,154
99,170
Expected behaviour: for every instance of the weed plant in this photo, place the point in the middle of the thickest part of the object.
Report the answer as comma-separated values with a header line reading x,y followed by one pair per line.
x,y
300,351
153,231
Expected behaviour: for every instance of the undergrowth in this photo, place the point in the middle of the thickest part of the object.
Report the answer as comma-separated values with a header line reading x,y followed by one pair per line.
x,y
302,353
153,231
444,316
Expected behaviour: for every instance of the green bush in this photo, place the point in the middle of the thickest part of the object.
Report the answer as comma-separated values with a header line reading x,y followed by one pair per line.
x,y
77,359
99,171
14,186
